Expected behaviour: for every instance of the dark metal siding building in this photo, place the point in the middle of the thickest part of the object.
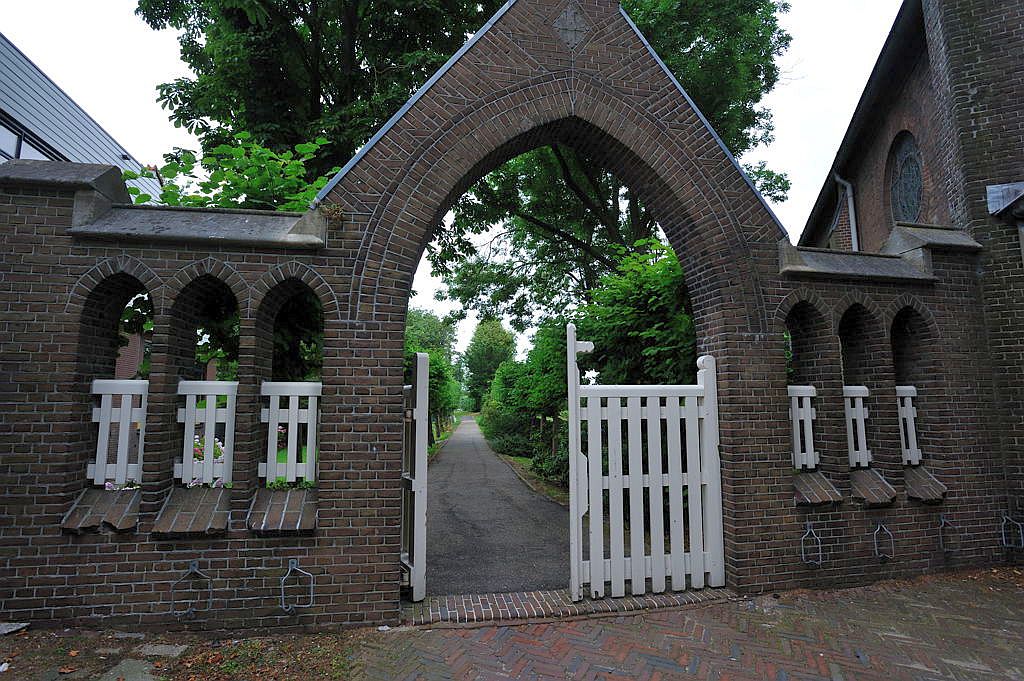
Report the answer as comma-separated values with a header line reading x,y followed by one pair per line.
x,y
38,120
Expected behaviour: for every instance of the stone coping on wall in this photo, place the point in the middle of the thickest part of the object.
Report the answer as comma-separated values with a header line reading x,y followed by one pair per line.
x,y
823,263
906,237
217,226
554,604
105,179
97,509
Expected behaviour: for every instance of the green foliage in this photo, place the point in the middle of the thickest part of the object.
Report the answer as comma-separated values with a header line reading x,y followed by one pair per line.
x,y
292,71
723,52
523,412
559,224
642,332
426,332
282,484
137,318
424,329
490,345
772,185
238,173
639,322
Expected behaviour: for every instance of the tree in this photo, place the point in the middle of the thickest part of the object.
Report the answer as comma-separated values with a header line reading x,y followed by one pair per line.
x,y
426,332
490,345
424,329
522,414
237,174
558,223
292,70
639,324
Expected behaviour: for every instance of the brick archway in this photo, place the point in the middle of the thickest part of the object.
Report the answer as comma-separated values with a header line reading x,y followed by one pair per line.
x,y
518,85
690,200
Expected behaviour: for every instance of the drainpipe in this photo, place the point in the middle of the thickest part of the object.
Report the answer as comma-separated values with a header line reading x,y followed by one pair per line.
x,y
852,209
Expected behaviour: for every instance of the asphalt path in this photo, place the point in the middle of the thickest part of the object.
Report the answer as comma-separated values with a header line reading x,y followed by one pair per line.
x,y
487,531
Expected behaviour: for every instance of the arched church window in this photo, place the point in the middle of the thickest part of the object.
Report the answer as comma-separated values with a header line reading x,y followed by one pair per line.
x,y
906,177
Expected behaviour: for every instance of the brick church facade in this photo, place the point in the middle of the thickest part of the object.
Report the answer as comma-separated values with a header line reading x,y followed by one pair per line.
x,y
929,300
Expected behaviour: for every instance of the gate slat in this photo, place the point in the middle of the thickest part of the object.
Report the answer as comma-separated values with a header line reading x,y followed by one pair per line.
x,y
293,437
657,499
229,437
103,440
124,435
594,461
695,496
209,438
309,468
188,447
274,419
637,526
615,515
675,493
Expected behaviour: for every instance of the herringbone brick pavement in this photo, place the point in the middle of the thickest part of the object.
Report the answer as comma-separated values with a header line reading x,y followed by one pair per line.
x,y
947,627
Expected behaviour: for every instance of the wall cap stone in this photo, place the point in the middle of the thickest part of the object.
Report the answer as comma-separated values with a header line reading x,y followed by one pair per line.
x,y
1006,199
206,225
906,237
822,263
101,178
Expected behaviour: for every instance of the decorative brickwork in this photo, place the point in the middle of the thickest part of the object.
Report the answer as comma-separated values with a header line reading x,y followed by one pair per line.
x,y
535,605
519,85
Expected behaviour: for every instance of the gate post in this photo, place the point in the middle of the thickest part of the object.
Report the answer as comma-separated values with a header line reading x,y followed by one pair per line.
x,y
414,478
711,473
578,483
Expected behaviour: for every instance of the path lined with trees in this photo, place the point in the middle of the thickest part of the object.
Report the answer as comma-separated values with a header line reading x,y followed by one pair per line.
x,y
487,532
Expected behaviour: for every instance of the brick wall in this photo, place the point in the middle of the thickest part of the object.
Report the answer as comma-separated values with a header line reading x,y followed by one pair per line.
x,y
977,63
520,86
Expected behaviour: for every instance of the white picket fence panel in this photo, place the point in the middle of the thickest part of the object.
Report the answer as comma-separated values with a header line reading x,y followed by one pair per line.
x,y
122,408
679,460
209,467
905,395
856,425
802,414
414,477
293,416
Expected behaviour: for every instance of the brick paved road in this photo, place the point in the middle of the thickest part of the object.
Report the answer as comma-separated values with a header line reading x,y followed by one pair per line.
x,y
949,627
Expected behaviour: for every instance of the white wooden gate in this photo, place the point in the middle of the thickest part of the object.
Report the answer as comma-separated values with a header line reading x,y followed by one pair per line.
x,y
654,512
414,478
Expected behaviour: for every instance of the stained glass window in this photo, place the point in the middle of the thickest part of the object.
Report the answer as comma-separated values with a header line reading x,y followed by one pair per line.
x,y
907,179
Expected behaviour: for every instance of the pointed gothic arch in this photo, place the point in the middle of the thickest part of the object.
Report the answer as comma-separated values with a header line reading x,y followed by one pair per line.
x,y
653,138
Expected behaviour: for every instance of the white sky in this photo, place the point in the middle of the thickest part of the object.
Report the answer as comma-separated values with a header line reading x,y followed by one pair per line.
x,y
110,62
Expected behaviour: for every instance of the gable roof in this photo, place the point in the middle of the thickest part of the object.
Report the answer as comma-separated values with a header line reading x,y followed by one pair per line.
x,y
905,42
39,105
473,41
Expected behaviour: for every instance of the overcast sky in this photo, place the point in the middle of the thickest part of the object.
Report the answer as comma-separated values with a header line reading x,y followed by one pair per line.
x,y
110,62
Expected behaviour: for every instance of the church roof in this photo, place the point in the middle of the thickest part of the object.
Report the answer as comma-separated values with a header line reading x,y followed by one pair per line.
x,y
906,40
